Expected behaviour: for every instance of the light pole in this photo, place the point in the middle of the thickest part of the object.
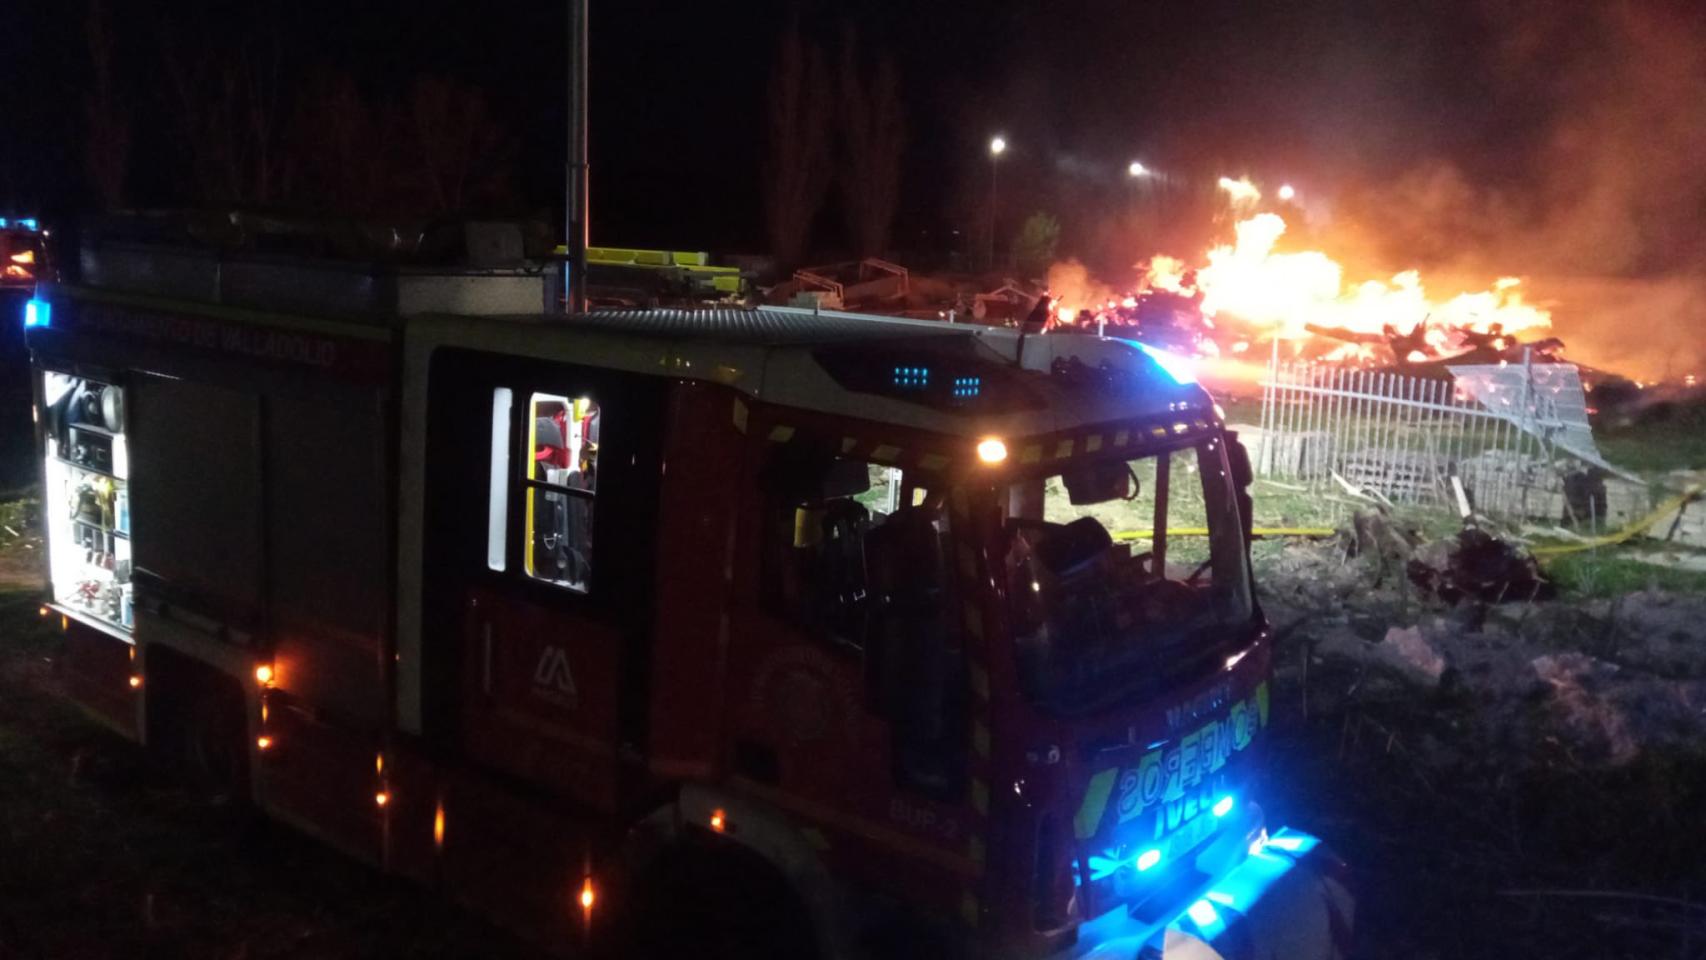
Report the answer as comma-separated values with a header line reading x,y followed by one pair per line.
x,y
997,147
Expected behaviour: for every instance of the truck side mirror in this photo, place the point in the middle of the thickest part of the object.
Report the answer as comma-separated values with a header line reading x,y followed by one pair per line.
x,y
1238,456
1238,459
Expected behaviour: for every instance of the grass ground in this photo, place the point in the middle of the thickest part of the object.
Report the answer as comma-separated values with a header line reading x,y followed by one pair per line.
x,y
1621,570
1662,438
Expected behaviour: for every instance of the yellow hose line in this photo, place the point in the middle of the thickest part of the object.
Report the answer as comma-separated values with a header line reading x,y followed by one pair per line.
x,y
1203,532
1674,503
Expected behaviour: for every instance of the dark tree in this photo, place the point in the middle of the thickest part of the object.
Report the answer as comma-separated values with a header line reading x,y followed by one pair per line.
x,y
796,171
106,135
873,134
461,155
227,109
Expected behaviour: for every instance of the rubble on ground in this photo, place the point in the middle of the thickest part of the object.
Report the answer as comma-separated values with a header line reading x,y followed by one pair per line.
x,y
1472,627
1480,566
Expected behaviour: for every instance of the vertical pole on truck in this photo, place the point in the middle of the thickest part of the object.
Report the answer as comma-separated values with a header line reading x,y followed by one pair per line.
x,y
575,215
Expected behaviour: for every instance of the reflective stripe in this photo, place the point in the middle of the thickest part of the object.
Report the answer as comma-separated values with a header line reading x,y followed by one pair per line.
x,y
740,415
780,434
1095,803
968,562
974,621
979,682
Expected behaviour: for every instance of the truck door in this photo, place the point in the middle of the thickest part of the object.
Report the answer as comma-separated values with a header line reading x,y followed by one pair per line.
x,y
542,486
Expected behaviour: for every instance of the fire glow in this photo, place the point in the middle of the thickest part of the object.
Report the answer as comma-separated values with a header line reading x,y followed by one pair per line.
x,y
1251,293
1292,296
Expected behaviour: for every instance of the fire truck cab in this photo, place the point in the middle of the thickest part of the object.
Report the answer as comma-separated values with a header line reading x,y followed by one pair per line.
x,y
816,632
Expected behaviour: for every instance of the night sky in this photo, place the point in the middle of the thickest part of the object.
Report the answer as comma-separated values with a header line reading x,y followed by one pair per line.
x,y
1304,90
1333,95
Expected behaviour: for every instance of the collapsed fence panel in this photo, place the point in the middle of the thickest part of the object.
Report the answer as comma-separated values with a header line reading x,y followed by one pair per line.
x,y
1405,435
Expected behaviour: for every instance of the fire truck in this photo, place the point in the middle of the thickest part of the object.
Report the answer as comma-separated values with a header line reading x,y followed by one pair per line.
x,y
772,632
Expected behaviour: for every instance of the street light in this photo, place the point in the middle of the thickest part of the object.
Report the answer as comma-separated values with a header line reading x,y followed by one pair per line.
x,y
997,147
1287,192
1137,169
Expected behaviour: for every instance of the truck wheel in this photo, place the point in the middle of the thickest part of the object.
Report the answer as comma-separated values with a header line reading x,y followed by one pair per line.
x,y
715,902
198,728
216,745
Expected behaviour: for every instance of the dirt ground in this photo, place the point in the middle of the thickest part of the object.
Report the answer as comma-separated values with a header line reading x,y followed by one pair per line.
x,y
1497,809
1541,797
101,858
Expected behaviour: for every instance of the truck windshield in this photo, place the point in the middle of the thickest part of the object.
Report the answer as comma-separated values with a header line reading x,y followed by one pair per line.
x,y
1124,575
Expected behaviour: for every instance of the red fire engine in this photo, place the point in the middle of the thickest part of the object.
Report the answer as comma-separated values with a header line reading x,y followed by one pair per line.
x,y
812,632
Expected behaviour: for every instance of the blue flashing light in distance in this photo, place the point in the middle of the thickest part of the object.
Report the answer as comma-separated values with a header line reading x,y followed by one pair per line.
x,y
1223,806
28,223
2,223
38,313
1180,369
1147,859
967,387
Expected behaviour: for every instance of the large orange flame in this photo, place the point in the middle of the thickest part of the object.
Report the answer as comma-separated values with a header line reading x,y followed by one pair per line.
x,y
1293,296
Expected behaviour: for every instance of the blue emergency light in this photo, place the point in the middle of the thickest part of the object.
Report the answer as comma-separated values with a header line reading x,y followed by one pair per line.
x,y
1180,369
37,313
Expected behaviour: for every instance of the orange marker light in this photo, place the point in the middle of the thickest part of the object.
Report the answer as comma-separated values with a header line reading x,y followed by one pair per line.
x,y
264,674
263,742
135,681
717,822
381,798
44,611
438,825
587,895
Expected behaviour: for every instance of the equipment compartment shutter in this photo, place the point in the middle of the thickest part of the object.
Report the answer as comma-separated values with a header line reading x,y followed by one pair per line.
x,y
196,496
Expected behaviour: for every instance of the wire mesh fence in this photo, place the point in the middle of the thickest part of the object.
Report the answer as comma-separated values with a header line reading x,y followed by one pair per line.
x,y
1403,436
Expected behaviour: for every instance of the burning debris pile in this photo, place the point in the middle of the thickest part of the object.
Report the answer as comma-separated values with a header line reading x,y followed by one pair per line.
x,y
1248,294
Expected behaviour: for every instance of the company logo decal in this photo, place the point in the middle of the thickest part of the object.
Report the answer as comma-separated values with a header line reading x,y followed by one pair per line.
x,y
552,678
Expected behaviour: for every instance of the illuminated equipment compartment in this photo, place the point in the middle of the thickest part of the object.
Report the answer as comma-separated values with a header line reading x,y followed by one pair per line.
x,y
86,500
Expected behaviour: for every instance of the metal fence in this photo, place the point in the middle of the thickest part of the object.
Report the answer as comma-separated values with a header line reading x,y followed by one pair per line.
x,y
1404,437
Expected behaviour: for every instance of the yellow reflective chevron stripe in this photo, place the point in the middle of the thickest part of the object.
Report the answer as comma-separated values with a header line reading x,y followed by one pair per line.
x,y
1095,803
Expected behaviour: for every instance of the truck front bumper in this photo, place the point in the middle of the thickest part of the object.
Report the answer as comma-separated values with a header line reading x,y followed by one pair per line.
x,y
1285,901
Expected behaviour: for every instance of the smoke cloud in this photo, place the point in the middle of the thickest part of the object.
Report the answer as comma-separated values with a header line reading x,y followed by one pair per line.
x,y
1604,209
